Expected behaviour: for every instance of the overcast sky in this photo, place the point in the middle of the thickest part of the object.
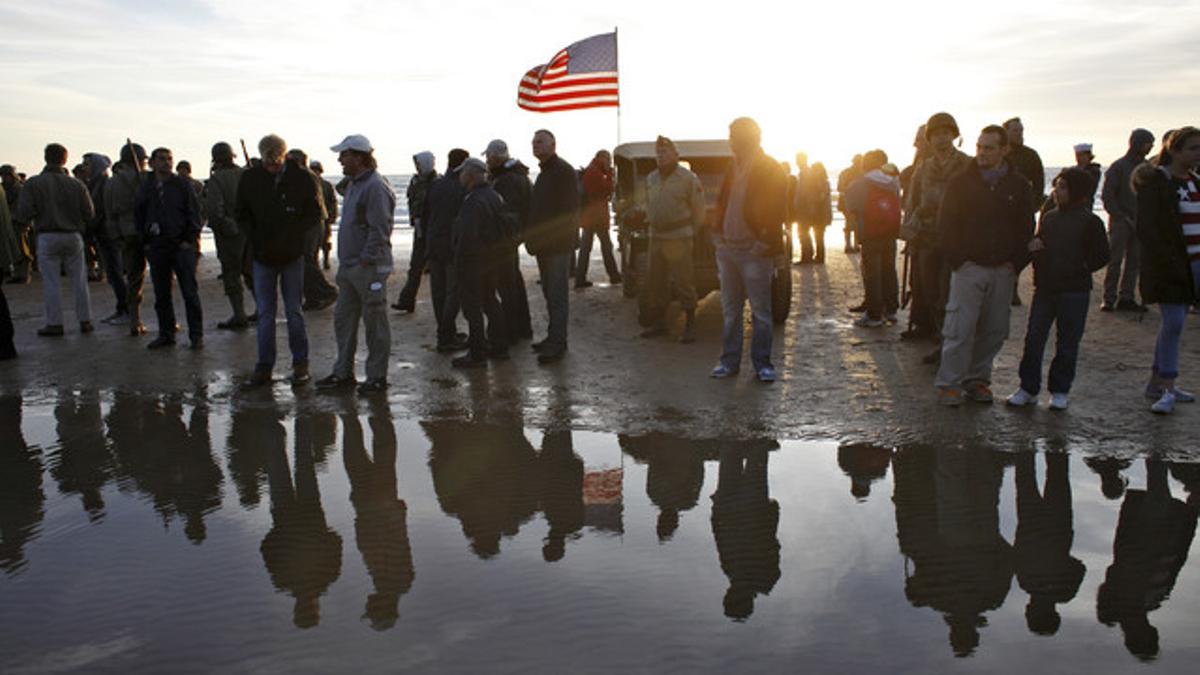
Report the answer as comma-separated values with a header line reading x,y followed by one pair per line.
x,y
419,75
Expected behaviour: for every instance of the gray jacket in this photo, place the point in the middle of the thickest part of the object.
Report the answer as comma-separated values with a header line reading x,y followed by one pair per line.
x,y
54,201
365,233
1118,196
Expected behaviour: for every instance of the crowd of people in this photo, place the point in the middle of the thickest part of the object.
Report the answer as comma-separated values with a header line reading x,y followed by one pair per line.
x,y
969,225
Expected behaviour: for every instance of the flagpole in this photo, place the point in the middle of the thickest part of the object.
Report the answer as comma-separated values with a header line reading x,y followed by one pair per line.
x,y
617,55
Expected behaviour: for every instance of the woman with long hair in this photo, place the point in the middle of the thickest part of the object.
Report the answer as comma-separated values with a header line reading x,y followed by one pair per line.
x,y
1168,227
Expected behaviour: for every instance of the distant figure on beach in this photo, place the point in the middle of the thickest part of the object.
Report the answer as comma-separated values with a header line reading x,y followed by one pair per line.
x,y
329,198
1120,201
874,201
1085,160
418,189
12,184
845,178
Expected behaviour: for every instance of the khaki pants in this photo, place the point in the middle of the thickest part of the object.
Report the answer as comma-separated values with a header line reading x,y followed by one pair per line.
x,y
670,268
976,324
362,295
56,251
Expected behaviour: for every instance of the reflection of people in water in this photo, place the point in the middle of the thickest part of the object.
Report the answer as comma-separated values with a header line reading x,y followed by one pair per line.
x,y
674,475
948,525
560,472
1154,533
380,516
1042,546
82,464
1112,482
864,464
21,496
744,521
484,475
166,459
302,555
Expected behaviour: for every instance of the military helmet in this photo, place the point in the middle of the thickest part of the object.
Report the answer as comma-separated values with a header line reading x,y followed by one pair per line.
x,y
222,151
941,120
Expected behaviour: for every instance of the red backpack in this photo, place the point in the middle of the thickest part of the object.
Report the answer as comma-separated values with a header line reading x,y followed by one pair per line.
x,y
881,214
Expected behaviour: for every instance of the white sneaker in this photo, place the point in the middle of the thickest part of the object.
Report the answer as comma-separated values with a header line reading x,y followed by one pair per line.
x,y
1020,398
1165,405
1058,401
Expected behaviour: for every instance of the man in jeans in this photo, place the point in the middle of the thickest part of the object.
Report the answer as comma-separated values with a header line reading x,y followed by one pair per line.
x,y
748,233
167,215
59,207
278,205
365,261
1120,281
551,236
986,222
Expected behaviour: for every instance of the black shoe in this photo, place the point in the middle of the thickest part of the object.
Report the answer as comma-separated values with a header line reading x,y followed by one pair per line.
x,y
615,280
1129,306
469,361
934,357
197,343
914,334
375,386
252,318
551,355
456,346
498,354
234,323
86,327
653,332
334,383
583,284
403,306
1107,307
160,342
260,378
859,308
51,331
318,305
538,346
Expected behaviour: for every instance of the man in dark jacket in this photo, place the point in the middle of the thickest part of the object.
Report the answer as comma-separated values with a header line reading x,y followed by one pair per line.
x,y
167,216
318,292
1028,163
1120,281
12,191
986,222
749,233
279,205
441,208
551,236
510,179
478,229
418,190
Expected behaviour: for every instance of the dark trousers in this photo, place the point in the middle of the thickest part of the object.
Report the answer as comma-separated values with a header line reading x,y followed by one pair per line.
x,y
1068,312
316,287
180,262
133,255
416,267
477,295
812,243
879,277
920,316
114,269
443,290
585,254
555,273
514,300
7,349
934,283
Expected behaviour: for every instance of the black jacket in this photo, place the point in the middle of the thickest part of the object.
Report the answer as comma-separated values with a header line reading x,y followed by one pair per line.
x,y
442,203
765,205
1075,246
511,181
174,208
989,225
553,226
276,216
479,225
1166,274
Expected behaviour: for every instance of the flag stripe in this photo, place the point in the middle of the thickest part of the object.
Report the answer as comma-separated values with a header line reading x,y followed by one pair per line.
x,y
572,106
584,75
567,96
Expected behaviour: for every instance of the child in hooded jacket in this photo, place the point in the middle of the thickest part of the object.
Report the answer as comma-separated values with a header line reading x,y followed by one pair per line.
x,y
1070,245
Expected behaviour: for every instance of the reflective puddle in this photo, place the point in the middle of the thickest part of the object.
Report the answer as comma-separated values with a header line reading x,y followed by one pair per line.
x,y
175,534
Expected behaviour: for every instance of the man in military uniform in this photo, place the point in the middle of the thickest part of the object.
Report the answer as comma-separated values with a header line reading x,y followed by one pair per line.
x,y
120,194
233,246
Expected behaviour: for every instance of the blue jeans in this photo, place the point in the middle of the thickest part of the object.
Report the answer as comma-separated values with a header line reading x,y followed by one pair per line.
x,y
1068,311
555,272
269,284
1170,335
743,276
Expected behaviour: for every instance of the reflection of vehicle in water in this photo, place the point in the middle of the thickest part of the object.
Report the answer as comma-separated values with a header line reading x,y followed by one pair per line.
x,y
708,159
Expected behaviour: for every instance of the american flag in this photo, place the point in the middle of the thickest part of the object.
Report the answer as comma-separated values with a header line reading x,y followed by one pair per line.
x,y
584,75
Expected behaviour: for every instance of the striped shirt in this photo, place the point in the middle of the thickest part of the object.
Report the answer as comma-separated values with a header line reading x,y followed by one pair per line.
x,y
1189,215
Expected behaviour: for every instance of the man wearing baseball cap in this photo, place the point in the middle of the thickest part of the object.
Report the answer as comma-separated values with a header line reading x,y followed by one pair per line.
x,y
1084,159
365,261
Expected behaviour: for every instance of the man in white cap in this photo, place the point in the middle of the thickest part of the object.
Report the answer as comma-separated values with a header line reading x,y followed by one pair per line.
x,y
365,257
1084,159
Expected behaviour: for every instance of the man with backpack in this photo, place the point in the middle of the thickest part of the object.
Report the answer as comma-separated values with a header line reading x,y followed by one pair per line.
x,y
874,199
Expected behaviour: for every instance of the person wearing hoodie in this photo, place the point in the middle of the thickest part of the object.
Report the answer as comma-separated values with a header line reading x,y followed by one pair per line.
x,y
418,188
1068,247
442,203
119,194
110,252
510,179
874,200
1168,229
1120,201
233,246
985,222
167,215
59,207
594,218
931,277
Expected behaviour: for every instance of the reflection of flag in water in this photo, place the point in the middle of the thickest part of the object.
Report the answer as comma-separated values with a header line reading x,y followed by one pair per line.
x,y
602,508
584,75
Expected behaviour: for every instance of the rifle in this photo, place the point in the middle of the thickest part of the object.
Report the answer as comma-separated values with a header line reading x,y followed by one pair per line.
x,y
245,154
905,279
133,160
